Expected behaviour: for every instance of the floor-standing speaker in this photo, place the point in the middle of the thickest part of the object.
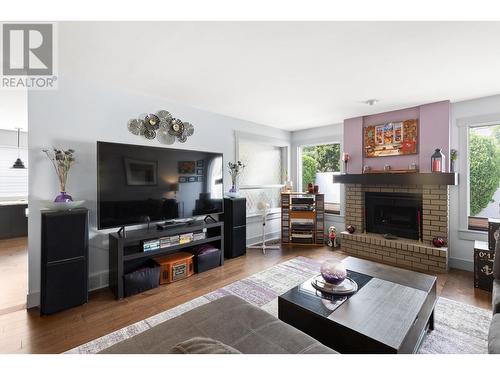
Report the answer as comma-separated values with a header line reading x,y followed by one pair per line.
x,y
235,227
64,265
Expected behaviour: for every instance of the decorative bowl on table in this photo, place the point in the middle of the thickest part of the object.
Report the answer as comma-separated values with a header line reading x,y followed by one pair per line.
x,y
61,206
333,271
348,286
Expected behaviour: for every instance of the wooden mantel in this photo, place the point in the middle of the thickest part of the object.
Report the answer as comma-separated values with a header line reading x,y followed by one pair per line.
x,y
398,178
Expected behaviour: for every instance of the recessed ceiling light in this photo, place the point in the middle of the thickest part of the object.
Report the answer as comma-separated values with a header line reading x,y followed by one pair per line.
x,y
371,101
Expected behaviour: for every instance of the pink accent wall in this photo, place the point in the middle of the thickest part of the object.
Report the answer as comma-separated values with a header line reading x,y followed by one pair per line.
x,y
353,144
434,132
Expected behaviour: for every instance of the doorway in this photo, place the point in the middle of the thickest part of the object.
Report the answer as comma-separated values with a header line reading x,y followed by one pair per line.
x,y
13,201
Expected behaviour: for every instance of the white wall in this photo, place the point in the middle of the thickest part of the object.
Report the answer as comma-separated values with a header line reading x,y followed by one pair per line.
x,y
77,115
462,113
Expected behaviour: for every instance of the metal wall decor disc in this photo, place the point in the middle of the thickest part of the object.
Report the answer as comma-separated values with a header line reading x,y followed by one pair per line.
x,y
188,129
153,121
182,138
142,127
149,134
171,130
165,138
133,126
164,124
163,114
176,127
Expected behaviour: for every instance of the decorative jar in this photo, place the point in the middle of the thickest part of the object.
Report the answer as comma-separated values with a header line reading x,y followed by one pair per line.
x,y
333,271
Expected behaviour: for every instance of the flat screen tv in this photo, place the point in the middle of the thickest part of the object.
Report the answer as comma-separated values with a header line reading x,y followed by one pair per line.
x,y
140,184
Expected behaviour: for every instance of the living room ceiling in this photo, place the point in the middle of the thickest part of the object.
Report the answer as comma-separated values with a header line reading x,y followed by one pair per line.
x,y
290,75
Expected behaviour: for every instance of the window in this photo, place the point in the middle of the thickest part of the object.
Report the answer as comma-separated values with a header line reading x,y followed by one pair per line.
x,y
214,176
318,164
263,176
13,182
484,175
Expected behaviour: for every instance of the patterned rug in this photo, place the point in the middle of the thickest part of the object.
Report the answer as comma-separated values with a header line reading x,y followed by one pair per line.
x,y
459,328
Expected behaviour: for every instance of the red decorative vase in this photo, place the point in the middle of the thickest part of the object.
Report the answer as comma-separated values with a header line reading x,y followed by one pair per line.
x,y
438,241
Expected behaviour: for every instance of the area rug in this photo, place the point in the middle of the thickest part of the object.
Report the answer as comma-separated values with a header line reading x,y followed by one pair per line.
x,y
459,328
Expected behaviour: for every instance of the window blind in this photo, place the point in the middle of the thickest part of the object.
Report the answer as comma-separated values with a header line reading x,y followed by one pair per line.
x,y
13,182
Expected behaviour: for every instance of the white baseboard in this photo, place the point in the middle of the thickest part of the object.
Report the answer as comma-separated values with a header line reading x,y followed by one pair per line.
x,y
98,280
258,239
33,300
461,264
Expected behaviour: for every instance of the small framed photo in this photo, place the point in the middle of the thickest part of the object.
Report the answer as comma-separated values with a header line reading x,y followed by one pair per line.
x,y
199,178
199,171
182,179
200,163
187,167
192,179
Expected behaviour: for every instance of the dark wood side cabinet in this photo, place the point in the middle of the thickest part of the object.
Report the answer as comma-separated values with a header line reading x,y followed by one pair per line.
x,y
64,268
483,266
13,221
235,227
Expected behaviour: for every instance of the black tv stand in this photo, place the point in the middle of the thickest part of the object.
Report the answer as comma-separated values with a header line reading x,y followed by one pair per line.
x,y
126,254
209,219
170,224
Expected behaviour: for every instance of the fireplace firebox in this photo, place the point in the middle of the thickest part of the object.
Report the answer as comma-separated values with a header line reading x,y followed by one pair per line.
x,y
397,214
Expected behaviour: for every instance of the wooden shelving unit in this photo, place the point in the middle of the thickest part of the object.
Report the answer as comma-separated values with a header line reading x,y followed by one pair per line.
x,y
316,215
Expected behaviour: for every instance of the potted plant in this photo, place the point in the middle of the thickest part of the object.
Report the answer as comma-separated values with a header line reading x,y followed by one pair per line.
x,y
62,160
235,170
453,158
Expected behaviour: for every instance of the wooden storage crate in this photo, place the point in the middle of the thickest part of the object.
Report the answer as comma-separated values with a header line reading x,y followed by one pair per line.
x,y
174,267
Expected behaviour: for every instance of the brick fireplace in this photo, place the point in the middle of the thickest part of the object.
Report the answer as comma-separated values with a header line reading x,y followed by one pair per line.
x,y
417,254
421,193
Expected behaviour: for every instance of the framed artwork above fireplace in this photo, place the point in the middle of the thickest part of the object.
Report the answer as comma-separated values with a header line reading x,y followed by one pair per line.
x,y
391,139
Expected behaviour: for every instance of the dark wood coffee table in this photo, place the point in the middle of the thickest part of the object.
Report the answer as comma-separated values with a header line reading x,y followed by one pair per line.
x,y
389,314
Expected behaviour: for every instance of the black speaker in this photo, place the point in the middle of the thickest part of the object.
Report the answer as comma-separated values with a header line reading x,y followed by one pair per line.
x,y
64,267
235,227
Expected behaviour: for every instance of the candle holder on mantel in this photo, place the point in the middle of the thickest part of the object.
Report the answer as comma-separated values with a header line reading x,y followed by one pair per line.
x,y
438,161
345,159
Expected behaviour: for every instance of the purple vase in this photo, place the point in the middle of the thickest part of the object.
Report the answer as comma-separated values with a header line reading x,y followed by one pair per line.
x,y
63,197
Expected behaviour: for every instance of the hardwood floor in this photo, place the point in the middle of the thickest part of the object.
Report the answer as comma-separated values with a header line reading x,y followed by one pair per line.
x,y
26,332
13,274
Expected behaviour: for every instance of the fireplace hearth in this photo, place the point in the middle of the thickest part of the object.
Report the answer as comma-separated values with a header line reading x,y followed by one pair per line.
x,y
394,213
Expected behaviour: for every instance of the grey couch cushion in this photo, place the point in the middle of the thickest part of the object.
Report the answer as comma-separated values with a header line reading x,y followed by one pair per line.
x,y
495,299
494,335
229,320
203,345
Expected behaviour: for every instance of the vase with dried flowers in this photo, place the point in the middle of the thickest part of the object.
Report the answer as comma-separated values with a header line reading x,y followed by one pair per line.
x,y
62,160
235,170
